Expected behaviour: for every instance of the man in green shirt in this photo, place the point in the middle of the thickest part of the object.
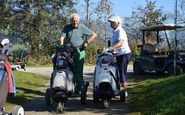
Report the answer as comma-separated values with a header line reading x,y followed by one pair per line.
x,y
75,34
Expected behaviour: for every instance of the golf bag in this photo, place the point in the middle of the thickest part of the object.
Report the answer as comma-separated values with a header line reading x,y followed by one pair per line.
x,y
61,82
107,78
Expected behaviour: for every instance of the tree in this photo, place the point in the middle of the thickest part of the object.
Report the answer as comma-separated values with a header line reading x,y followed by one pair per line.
x,y
103,11
87,11
182,11
143,16
35,22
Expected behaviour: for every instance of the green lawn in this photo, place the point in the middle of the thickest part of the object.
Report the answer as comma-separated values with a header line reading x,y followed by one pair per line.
x,y
158,95
28,85
153,95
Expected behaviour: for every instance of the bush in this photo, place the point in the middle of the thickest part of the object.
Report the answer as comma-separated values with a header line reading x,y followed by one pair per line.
x,y
91,53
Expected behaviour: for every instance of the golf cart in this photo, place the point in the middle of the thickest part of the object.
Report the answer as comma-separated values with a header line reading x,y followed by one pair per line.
x,y
159,55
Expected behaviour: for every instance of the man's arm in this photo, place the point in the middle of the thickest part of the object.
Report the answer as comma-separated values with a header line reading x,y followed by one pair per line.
x,y
61,40
90,39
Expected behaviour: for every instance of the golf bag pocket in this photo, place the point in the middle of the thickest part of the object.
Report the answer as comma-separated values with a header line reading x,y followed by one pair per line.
x,y
61,63
63,80
59,80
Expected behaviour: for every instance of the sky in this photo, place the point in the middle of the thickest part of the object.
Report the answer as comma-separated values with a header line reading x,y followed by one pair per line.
x,y
124,8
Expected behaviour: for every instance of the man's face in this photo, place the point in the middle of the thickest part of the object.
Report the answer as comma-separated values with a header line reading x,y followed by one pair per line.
x,y
75,21
114,25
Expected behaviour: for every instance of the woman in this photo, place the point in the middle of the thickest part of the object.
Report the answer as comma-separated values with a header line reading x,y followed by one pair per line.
x,y
120,45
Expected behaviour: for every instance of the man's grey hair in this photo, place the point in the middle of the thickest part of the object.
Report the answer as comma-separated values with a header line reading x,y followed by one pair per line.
x,y
75,14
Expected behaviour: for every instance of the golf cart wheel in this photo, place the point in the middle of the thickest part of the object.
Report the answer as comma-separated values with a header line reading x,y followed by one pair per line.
x,y
60,107
122,96
18,110
106,103
83,95
95,97
137,69
171,69
48,97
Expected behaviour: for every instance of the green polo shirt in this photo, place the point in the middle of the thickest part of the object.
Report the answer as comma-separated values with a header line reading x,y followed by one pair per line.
x,y
76,36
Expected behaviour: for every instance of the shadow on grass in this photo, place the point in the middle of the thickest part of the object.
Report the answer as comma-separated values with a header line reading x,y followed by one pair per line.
x,y
28,94
73,105
29,91
116,107
146,75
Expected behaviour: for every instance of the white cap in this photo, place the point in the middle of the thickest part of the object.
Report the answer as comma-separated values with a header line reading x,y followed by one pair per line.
x,y
5,41
115,19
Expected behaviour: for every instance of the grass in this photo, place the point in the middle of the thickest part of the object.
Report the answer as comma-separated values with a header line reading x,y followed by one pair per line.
x,y
158,95
153,95
27,85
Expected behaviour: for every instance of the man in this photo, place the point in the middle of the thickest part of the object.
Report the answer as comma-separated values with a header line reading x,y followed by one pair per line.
x,y
75,34
120,45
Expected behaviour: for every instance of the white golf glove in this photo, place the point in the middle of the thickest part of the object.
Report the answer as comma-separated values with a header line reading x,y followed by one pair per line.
x,y
108,49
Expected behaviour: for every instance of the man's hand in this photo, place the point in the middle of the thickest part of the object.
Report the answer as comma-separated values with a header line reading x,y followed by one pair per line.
x,y
61,40
85,44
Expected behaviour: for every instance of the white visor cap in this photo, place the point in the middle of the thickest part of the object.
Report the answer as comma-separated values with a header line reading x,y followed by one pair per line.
x,y
115,19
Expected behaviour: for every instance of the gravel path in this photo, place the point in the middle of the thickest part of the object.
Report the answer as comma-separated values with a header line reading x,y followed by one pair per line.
x,y
73,106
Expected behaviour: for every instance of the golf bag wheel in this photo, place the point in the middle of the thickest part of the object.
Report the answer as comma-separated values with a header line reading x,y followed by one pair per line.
x,y
18,110
48,97
122,96
83,95
60,107
95,97
106,103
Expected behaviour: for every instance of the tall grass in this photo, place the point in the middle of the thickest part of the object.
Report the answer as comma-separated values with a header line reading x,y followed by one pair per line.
x,y
159,95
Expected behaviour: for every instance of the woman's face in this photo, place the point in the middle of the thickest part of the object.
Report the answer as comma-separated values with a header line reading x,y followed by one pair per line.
x,y
114,25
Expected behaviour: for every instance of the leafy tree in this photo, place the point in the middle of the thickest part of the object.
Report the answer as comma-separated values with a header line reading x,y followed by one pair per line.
x,y
35,23
182,11
143,16
103,11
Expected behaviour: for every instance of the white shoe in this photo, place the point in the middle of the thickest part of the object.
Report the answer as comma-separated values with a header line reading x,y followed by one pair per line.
x,y
126,94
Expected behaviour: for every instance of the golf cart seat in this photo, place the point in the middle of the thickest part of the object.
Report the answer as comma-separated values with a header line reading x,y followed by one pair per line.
x,y
153,50
148,48
159,51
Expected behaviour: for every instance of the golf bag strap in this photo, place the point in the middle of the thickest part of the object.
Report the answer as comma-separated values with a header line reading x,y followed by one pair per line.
x,y
9,71
69,59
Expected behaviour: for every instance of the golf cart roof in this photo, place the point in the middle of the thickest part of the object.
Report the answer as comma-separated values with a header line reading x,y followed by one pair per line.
x,y
162,27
